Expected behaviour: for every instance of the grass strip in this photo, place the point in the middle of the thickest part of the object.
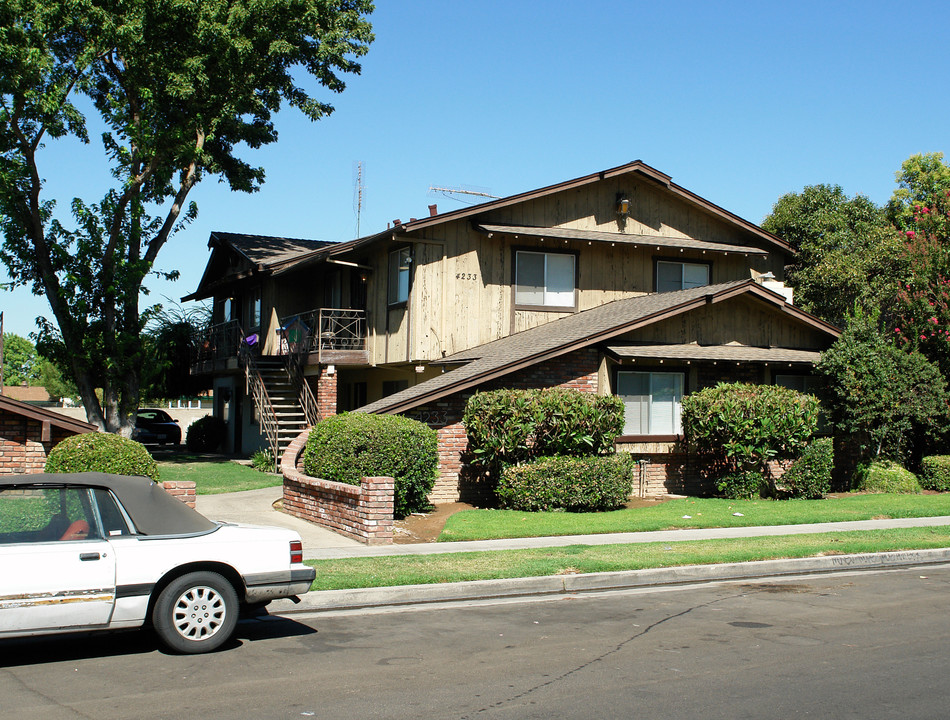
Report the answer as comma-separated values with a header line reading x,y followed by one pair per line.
x,y
691,513
396,570
215,475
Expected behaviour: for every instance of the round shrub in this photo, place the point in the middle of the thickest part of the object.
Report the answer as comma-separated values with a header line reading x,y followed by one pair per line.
x,y
885,476
935,473
205,434
810,475
577,484
351,446
101,452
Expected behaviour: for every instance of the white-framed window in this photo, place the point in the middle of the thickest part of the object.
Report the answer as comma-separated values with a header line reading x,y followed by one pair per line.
x,y
680,275
544,279
400,266
651,401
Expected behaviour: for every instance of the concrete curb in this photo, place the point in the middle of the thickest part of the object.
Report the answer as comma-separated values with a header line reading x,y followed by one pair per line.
x,y
598,582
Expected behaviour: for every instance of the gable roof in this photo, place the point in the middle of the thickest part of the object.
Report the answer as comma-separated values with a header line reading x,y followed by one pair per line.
x,y
42,415
261,252
663,181
582,329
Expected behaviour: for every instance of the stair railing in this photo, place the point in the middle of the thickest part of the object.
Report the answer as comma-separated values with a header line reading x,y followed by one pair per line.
x,y
255,387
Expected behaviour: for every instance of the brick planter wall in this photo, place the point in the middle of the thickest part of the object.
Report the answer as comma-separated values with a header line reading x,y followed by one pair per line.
x,y
184,490
363,512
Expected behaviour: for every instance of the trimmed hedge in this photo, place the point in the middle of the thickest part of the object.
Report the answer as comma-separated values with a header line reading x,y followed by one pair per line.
x,y
738,428
935,473
507,427
885,476
347,447
577,484
205,434
101,452
810,475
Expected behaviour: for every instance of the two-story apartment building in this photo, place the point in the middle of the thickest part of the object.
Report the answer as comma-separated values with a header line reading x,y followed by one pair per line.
x,y
616,282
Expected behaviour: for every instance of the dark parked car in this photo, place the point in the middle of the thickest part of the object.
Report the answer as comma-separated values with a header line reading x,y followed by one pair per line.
x,y
153,426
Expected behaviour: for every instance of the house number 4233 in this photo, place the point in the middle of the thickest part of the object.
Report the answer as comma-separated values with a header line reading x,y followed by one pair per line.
x,y
466,276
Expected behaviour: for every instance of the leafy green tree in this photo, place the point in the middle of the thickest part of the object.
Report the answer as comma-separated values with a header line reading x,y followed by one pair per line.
x,y
847,250
21,363
883,399
179,87
921,202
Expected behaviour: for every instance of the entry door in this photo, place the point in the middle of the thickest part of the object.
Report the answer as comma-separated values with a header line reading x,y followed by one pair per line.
x,y
56,571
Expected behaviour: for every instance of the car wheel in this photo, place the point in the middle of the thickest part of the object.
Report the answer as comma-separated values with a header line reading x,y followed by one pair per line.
x,y
196,613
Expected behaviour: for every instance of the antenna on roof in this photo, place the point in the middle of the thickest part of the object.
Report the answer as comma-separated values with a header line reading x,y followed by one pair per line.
x,y
359,191
464,194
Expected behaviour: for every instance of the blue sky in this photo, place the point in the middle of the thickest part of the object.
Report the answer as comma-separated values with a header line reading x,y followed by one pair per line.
x,y
739,102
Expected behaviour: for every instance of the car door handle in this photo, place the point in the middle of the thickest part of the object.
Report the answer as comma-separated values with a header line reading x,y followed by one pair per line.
x,y
88,556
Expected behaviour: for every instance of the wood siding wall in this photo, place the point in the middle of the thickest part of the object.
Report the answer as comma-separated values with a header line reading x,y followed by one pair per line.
x,y
461,292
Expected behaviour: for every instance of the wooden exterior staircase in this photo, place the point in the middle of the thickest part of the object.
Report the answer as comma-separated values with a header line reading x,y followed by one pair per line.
x,y
284,402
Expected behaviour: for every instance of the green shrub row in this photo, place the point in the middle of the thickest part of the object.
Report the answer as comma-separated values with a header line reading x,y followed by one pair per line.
x,y
351,446
507,427
101,452
935,473
577,484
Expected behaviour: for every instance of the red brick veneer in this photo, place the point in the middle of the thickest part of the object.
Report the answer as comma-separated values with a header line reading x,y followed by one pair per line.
x,y
363,512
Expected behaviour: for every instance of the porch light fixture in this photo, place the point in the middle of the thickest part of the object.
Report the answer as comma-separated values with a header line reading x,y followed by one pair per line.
x,y
623,205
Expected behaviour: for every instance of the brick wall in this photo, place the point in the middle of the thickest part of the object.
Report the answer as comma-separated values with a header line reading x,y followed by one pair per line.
x,y
363,512
22,450
184,490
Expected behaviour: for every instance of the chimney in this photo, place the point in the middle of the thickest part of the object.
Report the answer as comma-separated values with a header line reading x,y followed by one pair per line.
x,y
433,210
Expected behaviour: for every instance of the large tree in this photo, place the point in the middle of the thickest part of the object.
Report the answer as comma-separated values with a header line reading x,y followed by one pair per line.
x,y
179,86
846,249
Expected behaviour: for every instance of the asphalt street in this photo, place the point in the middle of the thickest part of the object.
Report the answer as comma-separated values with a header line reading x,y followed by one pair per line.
x,y
867,644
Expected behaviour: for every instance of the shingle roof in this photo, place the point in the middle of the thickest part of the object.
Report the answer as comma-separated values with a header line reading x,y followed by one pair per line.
x,y
572,332
265,250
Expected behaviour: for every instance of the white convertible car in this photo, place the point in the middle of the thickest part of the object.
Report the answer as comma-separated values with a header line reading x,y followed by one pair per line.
x,y
91,551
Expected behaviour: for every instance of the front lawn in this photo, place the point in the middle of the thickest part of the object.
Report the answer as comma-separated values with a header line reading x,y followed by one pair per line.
x,y
397,570
213,475
691,513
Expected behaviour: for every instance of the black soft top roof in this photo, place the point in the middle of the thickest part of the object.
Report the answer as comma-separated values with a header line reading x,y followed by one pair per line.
x,y
153,510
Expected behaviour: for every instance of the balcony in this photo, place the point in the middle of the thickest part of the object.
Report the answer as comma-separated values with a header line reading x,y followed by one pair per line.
x,y
326,336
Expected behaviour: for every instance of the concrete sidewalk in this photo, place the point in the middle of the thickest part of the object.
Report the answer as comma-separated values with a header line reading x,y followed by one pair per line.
x,y
256,507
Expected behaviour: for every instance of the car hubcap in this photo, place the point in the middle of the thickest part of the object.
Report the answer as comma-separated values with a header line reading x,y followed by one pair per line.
x,y
199,613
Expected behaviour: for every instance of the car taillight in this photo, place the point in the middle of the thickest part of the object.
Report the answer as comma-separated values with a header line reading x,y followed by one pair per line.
x,y
296,551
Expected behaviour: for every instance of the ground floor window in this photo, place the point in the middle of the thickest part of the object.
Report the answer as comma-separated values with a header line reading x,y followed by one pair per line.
x,y
651,402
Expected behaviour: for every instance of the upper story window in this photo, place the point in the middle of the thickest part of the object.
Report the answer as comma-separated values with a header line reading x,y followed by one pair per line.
x,y
545,279
254,310
680,275
400,264
651,402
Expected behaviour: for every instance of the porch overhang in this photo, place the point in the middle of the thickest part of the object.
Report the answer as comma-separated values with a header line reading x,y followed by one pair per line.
x,y
657,242
714,353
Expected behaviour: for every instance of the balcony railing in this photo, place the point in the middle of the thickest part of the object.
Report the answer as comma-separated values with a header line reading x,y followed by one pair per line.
x,y
324,329
223,340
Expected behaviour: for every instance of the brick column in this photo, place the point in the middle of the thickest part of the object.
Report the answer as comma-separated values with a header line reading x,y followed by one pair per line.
x,y
326,393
